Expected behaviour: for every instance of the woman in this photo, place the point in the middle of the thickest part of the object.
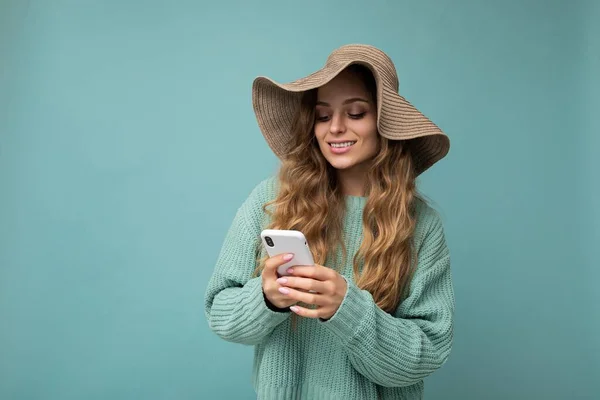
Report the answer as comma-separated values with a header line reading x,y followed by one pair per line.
x,y
374,316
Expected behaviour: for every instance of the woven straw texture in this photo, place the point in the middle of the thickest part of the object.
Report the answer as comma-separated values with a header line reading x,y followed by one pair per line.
x,y
275,105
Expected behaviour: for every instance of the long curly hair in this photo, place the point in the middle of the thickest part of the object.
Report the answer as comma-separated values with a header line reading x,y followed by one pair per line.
x,y
309,199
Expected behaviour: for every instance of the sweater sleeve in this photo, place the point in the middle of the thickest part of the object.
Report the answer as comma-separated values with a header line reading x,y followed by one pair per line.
x,y
402,349
235,307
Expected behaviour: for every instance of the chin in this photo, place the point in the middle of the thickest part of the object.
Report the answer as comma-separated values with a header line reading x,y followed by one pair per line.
x,y
341,164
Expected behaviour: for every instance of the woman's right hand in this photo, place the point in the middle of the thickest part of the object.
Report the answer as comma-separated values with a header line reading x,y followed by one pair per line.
x,y
269,281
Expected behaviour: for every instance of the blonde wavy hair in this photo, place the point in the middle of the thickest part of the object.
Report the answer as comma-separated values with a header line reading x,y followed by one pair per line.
x,y
310,200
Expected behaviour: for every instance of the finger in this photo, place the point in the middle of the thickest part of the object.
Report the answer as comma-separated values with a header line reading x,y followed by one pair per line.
x,y
306,284
308,298
316,271
273,262
306,312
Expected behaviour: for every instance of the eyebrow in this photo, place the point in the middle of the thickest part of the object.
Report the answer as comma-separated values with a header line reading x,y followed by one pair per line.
x,y
348,101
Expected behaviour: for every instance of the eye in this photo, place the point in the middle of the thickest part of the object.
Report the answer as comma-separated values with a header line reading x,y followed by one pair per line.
x,y
322,118
357,116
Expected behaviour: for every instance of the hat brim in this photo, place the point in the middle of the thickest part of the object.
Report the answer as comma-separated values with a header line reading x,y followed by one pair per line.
x,y
276,104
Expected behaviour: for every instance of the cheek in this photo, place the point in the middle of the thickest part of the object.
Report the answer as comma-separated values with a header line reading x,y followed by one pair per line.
x,y
369,134
320,131
372,145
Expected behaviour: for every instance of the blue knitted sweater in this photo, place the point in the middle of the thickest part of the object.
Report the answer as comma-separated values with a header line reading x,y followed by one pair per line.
x,y
361,352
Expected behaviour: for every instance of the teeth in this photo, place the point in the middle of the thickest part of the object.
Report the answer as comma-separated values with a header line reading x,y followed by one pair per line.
x,y
345,144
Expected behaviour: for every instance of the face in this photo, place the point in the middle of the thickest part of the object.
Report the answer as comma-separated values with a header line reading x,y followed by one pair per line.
x,y
346,123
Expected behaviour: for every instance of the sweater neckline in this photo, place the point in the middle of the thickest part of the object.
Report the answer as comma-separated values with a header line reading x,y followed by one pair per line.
x,y
355,201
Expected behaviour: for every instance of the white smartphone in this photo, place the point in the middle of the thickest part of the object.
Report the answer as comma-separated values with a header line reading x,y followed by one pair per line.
x,y
278,241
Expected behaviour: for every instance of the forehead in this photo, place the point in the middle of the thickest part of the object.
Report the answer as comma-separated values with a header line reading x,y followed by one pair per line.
x,y
344,85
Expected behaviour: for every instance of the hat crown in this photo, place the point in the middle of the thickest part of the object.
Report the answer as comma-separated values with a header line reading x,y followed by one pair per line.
x,y
359,53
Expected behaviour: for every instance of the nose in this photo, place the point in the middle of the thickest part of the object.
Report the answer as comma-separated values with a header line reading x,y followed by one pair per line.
x,y
337,124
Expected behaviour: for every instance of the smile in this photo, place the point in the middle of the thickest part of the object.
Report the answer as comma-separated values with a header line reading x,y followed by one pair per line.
x,y
340,148
341,145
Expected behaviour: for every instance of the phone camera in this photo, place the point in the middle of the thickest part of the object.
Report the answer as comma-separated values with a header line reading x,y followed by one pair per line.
x,y
269,241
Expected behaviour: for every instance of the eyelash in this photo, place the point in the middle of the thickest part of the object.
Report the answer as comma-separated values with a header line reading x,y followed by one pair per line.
x,y
352,116
357,116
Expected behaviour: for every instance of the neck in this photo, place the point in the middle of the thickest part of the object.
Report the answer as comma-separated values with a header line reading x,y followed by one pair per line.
x,y
352,181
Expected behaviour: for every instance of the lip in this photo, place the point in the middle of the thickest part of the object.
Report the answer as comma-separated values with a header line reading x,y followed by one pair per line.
x,y
340,150
340,141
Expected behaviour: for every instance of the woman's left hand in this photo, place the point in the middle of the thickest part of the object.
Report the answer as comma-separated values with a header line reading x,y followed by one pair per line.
x,y
329,289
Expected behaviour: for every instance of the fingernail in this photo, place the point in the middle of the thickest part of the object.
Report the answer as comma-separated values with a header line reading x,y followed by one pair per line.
x,y
294,309
281,280
288,257
284,290
290,271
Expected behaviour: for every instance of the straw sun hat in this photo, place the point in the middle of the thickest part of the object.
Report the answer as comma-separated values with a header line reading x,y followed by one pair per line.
x,y
275,105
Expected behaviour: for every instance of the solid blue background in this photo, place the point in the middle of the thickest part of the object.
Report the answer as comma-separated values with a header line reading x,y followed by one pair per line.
x,y
127,142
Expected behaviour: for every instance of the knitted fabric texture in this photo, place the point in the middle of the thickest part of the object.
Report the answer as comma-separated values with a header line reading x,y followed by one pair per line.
x,y
361,352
